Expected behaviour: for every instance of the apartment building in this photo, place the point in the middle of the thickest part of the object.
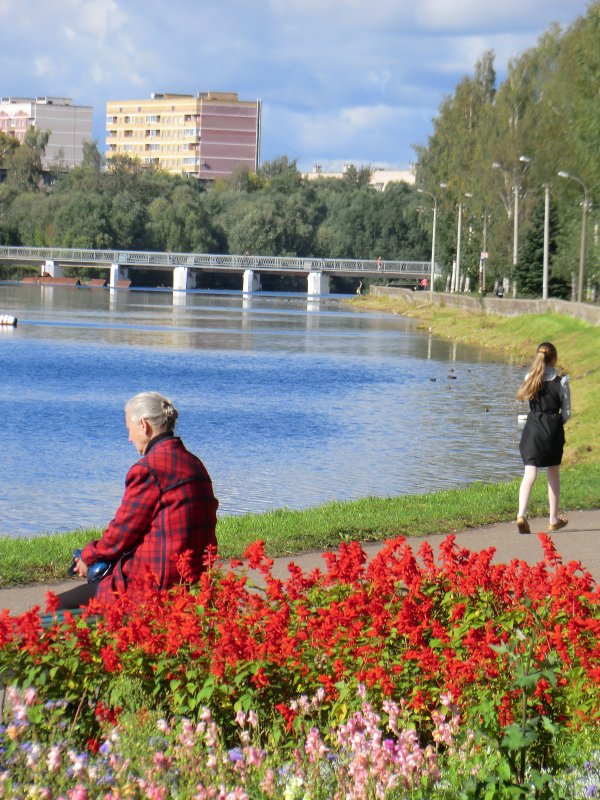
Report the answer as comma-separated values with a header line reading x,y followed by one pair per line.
x,y
69,125
206,135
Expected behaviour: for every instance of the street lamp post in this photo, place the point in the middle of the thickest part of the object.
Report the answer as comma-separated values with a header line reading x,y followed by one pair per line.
x,y
546,258
484,255
586,205
431,277
546,263
455,283
516,192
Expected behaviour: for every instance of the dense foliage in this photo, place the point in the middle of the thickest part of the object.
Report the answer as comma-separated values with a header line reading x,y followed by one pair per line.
x,y
126,205
511,652
545,110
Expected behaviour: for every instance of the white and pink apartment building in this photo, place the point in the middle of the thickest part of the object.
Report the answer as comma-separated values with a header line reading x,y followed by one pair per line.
x,y
69,125
207,135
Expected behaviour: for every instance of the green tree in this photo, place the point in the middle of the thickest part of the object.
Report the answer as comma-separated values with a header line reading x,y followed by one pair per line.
x,y
80,219
181,223
8,145
29,218
92,157
128,217
24,165
529,271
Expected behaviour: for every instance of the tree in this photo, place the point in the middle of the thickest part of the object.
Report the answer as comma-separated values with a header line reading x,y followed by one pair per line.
x,y
181,223
92,157
24,169
128,222
24,165
8,145
529,271
356,178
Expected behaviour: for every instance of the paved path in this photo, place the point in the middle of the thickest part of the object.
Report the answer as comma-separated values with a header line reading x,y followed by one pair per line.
x,y
578,542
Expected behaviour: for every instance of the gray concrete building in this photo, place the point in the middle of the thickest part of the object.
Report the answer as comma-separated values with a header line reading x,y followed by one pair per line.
x,y
69,125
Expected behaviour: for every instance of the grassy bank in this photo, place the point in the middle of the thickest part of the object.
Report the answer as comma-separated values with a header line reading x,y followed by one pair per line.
x,y
46,558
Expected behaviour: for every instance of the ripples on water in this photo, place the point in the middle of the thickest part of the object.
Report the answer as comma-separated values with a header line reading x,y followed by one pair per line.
x,y
289,402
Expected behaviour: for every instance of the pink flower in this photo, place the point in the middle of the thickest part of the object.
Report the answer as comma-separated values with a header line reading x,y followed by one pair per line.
x,y
314,746
240,718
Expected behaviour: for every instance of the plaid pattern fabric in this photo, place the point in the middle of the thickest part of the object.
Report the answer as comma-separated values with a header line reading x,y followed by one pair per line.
x,y
168,508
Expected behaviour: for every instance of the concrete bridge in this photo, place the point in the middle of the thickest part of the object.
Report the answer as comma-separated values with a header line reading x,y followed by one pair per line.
x,y
119,263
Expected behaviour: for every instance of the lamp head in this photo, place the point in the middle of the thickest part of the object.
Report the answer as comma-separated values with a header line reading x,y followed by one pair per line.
x,y
563,174
525,159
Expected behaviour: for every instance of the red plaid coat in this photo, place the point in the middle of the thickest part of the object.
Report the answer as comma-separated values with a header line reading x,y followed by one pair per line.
x,y
168,507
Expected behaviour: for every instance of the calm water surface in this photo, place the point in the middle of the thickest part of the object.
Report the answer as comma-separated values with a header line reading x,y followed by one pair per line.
x,y
289,402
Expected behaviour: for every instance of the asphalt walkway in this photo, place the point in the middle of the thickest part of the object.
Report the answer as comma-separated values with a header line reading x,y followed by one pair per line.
x,y
577,542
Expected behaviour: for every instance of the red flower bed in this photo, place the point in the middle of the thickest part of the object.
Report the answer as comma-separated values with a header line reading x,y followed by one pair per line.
x,y
407,627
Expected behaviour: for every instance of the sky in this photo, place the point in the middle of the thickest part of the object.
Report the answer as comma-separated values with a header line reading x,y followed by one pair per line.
x,y
340,81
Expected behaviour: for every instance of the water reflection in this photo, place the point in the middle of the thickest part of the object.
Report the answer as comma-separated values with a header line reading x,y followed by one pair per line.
x,y
290,402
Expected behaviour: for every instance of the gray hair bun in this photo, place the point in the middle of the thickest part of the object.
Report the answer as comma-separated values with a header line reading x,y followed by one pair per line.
x,y
169,411
158,410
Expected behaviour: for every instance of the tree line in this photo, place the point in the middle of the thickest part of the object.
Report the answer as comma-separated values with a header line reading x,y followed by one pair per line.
x,y
124,204
496,148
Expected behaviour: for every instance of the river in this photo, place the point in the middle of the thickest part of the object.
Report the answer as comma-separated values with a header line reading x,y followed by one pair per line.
x,y
289,402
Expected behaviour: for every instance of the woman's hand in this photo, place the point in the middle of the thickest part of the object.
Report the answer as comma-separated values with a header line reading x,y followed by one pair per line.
x,y
81,568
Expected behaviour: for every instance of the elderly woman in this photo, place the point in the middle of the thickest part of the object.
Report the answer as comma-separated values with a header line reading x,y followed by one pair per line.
x,y
168,508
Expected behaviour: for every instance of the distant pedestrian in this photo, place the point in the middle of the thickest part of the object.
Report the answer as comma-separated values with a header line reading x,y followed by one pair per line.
x,y
379,264
543,436
359,289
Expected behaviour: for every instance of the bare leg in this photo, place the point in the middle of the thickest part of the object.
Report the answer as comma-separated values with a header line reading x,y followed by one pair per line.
x,y
529,476
553,492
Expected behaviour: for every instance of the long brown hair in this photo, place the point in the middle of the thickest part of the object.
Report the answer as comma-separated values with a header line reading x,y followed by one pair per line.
x,y
544,355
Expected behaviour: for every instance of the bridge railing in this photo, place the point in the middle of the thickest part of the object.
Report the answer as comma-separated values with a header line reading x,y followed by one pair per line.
x,y
138,258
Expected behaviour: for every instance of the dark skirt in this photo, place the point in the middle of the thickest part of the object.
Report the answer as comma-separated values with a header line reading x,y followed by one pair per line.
x,y
542,440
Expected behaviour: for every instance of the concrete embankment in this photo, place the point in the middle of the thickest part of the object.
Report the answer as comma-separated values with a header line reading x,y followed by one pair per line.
x,y
504,307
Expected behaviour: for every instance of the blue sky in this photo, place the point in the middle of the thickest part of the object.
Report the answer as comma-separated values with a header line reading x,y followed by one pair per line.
x,y
340,80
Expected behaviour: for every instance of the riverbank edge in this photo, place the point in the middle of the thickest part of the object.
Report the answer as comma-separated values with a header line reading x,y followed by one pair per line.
x,y
478,304
286,532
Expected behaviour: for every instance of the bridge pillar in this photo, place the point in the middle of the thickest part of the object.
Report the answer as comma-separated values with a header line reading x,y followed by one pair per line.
x,y
251,281
183,279
318,283
117,273
53,269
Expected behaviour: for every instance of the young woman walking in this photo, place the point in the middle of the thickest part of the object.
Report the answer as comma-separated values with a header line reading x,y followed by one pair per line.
x,y
543,436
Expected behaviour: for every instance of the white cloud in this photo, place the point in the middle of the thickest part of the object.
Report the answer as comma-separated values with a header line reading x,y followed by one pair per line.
x,y
481,16
44,67
100,18
380,79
